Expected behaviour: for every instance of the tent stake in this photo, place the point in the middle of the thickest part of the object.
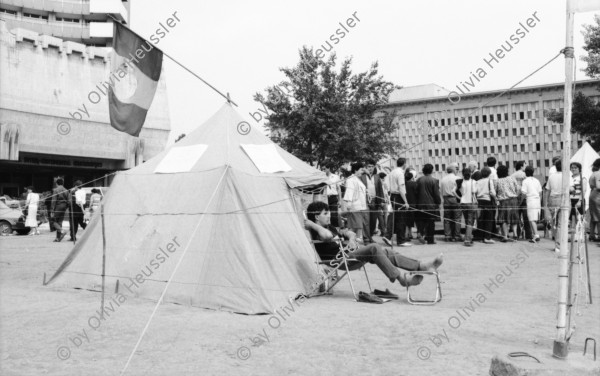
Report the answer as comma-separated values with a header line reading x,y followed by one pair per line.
x,y
103,258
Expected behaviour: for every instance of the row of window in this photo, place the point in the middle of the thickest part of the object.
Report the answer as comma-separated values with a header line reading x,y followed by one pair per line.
x,y
520,132
31,15
538,163
492,149
522,115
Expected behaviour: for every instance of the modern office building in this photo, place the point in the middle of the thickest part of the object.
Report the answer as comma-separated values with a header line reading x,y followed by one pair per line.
x,y
54,119
439,127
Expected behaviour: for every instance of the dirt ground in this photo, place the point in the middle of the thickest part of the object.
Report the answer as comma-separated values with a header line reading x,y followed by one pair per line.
x,y
328,335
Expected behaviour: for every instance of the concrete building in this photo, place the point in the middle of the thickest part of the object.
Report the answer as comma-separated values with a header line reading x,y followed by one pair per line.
x,y
53,65
80,21
438,128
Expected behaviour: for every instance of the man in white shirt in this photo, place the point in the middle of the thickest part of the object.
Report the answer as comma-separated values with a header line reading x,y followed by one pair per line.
x,y
333,193
356,201
76,203
375,201
450,200
491,164
399,205
553,167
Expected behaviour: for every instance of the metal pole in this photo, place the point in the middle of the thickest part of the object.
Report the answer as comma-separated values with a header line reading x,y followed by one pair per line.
x,y
560,349
103,258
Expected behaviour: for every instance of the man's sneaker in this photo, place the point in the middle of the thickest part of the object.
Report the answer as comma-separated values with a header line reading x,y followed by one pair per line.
x,y
449,240
387,241
421,240
468,244
405,244
488,241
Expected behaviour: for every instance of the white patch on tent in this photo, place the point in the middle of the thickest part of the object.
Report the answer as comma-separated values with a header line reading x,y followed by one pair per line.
x,y
180,159
266,158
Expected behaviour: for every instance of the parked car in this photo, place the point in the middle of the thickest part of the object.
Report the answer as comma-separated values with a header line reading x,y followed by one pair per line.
x,y
10,202
11,219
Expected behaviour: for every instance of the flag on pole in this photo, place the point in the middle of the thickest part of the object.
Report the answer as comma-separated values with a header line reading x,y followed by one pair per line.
x,y
581,6
136,67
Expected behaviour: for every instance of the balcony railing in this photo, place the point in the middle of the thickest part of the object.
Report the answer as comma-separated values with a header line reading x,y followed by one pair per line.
x,y
78,7
56,29
73,7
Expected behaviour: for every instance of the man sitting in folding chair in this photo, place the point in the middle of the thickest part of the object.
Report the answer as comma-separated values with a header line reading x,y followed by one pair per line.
x,y
318,224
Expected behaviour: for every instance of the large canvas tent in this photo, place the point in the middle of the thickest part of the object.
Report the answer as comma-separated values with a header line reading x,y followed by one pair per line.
x,y
204,198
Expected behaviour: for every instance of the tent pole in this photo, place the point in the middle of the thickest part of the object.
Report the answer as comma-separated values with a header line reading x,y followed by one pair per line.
x,y
587,274
103,258
560,348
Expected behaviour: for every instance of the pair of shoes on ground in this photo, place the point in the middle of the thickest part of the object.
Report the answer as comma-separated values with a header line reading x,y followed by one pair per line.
x,y
452,240
535,240
488,241
387,294
507,240
468,243
365,297
388,242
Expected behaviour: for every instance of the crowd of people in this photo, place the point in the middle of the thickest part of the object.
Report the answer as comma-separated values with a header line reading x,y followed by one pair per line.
x,y
58,205
492,202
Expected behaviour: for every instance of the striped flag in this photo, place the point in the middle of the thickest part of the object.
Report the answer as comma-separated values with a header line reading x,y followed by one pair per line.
x,y
136,67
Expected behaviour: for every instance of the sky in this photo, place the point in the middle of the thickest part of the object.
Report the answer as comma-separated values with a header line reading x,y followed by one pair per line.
x,y
239,46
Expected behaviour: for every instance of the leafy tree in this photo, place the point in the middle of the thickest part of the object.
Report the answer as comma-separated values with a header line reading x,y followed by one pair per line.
x,y
592,46
321,115
585,117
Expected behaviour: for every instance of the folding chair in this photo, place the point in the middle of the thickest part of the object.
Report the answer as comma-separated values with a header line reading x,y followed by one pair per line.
x,y
438,289
341,261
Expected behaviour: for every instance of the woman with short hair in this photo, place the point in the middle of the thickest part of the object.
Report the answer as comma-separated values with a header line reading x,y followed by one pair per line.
x,y
507,191
32,202
577,190
554,189
95,200
532,189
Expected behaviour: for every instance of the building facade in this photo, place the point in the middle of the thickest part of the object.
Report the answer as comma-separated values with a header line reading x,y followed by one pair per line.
x,y
82,21
443,128
54,119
